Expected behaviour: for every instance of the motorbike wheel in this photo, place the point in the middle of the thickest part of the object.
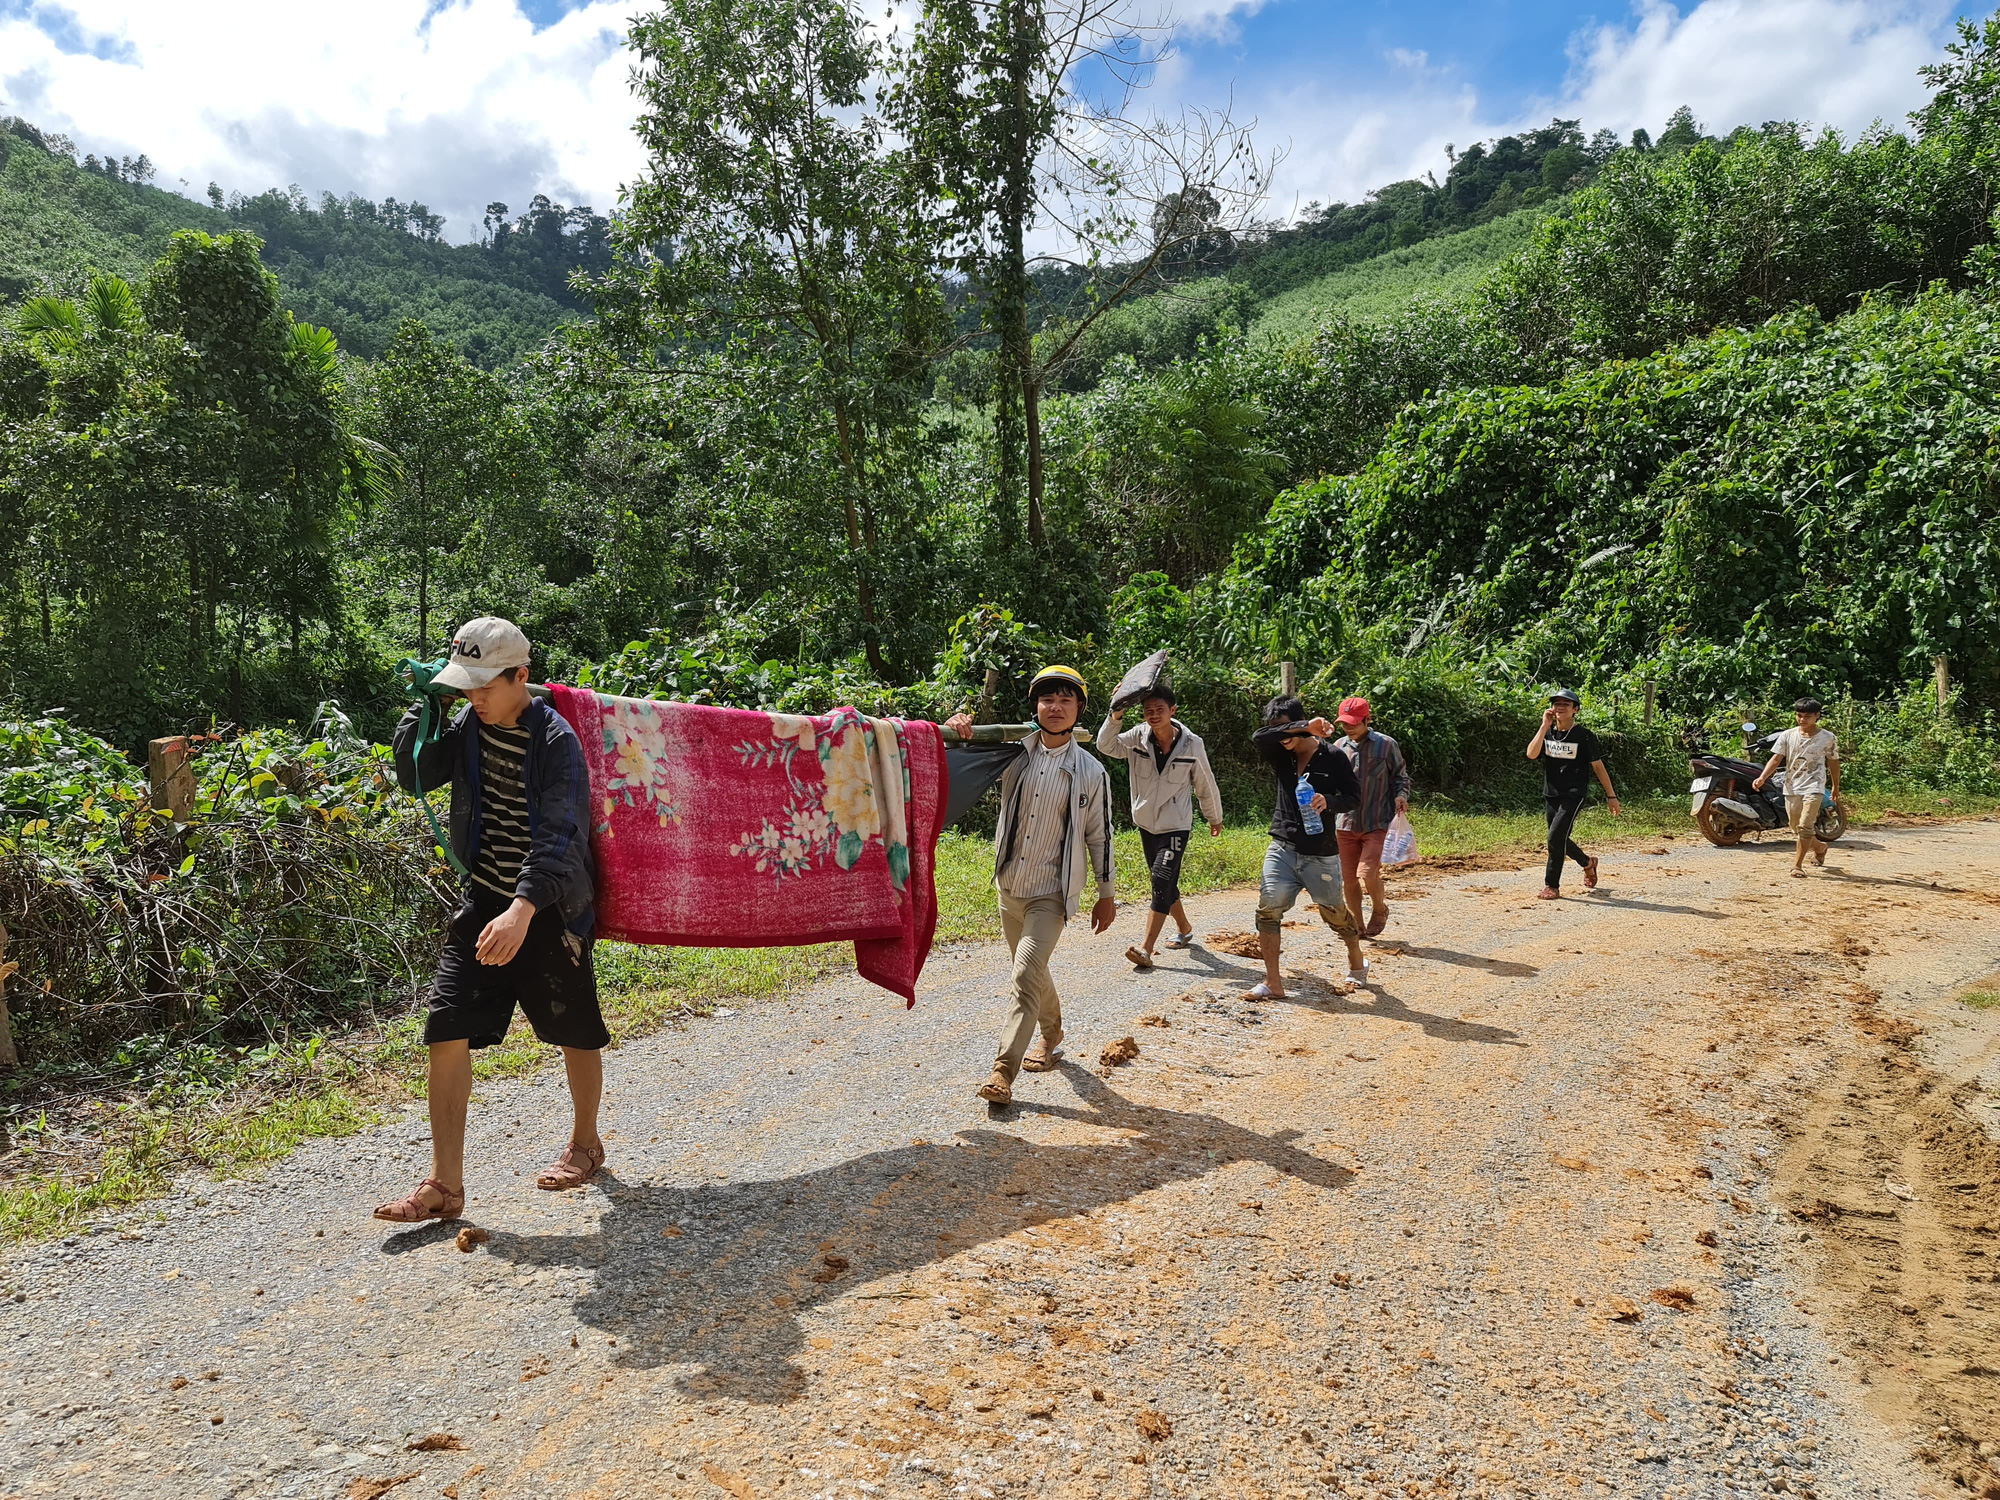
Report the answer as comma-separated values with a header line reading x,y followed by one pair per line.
x,y
1831,825
1722,835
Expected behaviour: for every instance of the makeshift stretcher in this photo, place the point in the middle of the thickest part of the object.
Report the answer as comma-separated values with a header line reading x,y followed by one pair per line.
x,y
724,827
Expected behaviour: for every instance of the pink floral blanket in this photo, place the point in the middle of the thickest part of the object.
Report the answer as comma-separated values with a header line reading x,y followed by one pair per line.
x,y
724,827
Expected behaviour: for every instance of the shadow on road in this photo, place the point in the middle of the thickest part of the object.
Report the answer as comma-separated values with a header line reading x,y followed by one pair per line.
x,y
719,1275
1506,967
1598,898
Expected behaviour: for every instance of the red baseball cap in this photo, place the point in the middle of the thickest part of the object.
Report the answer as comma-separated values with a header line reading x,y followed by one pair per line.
x,y
1354,710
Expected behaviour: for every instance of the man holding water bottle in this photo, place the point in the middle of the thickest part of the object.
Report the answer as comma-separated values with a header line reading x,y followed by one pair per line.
x,y
1315,783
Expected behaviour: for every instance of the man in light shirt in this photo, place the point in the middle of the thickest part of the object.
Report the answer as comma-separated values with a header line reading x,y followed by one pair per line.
x,y
1170,771
1055,818
1811,758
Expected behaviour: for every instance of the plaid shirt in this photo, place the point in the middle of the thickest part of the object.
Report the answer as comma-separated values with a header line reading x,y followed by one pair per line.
x,y
1378,767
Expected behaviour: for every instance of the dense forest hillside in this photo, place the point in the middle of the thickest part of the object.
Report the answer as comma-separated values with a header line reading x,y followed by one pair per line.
x,y
355,267
1601,412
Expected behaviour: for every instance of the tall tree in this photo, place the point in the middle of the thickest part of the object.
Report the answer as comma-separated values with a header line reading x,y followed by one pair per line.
x,y
1023,115
182,463
467,469
773,222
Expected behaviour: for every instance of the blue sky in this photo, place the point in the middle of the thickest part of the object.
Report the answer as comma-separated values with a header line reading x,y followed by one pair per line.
x,y
457,102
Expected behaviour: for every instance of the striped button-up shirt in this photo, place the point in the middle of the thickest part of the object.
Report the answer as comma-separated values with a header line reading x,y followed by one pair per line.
x,y
1378,767
1036,868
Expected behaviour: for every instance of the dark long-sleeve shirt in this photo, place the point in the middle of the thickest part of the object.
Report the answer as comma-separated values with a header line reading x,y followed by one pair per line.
x,y
1331,775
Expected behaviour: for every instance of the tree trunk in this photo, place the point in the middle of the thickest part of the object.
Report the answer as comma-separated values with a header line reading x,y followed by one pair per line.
x,y
871,637
1031,408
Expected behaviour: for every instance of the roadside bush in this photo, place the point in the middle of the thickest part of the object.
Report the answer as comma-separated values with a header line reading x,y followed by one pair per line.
x,y
303,892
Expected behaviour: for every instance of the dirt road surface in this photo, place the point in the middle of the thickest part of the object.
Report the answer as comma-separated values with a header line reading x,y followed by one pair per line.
x,y
1658,1191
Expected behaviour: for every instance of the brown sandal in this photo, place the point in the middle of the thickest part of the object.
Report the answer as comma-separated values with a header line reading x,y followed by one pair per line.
x,y
413,1209
576,1166
1043,1058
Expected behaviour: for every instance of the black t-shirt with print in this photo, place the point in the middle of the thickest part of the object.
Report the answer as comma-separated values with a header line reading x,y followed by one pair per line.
x,y
1566,760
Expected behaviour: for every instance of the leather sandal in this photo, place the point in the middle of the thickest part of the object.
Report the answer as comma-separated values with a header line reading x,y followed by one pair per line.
x,y
997,1089
1590,874
576,1166
413,1209
1549,893
1139,958
1042,1059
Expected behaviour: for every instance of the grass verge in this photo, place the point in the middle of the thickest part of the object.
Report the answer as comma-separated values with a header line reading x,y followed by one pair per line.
x,y
352,1082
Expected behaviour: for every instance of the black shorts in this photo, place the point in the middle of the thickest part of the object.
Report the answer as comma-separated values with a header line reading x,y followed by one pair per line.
x,y
1163,862
552,979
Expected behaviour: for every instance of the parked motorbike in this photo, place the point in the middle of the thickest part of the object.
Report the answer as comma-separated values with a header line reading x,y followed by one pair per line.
x,y
1726,805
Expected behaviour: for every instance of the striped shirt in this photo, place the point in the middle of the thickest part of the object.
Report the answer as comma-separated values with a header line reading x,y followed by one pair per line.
x,y
1382,776
1045,793
503,808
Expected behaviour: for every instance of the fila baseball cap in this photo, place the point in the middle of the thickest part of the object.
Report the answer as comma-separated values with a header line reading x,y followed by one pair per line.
x,y
481,651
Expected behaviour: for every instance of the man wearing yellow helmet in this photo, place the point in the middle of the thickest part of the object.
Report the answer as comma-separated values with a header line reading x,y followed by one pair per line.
x,y
1055,815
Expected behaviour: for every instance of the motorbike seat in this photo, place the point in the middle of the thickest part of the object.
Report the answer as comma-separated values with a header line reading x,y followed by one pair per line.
x,y
1739,768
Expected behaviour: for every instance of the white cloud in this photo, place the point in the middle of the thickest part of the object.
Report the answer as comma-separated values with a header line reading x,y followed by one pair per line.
x,y
1844,63
452,103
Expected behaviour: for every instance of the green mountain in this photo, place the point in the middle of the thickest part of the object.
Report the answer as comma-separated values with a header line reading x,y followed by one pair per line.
x,y
1384,285
356,267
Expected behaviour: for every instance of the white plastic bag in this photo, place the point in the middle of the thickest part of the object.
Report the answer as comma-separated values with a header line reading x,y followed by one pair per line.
x,y
1399,845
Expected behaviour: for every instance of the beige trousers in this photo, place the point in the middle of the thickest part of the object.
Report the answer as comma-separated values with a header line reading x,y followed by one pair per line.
x,y
1032,928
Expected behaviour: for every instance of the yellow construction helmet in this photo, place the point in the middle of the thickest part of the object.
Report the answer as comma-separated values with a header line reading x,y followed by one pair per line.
x,y
1050,676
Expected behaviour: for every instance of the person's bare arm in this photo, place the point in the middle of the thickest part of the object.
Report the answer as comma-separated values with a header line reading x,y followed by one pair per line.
x,y
1604,780
1776,760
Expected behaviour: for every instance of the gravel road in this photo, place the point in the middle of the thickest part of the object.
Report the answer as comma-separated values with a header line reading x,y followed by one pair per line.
x,y
1559,1206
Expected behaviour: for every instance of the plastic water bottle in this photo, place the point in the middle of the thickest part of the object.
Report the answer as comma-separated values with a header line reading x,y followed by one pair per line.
x,y
1306,814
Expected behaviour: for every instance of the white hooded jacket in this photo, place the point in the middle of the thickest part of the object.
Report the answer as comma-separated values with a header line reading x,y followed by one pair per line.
x,y
1163,800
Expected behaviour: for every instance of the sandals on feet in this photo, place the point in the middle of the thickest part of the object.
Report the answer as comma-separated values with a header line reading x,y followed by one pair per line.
x,y
1139,958
1181,940
1263,991
576,1166
1549,893
1590,874
1376,923
413,1209
1043,1058
997,1090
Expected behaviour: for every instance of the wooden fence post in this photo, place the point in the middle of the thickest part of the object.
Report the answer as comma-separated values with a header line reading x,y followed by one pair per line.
x,y
987,695
1652,689
170,777
1941,670
9,1058
1288,679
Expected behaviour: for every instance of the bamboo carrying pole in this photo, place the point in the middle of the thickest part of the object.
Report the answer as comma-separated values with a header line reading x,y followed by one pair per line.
x,y
982,734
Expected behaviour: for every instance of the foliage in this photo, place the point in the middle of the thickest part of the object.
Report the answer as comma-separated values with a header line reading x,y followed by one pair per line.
x,y
174,469
460,510
356,267
1165,470
1448,267
303,891
1804,506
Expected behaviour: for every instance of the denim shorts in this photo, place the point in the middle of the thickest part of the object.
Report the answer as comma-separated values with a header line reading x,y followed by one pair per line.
x,y
1288,872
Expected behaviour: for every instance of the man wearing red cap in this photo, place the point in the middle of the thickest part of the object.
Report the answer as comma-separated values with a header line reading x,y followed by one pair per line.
x,y
1385,791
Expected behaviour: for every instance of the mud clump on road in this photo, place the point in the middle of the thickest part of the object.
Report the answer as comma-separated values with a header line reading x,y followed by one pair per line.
x,y
1119,1053
1679,1298
1154,1427
1236,944
437,1442
375,1489
470,1236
